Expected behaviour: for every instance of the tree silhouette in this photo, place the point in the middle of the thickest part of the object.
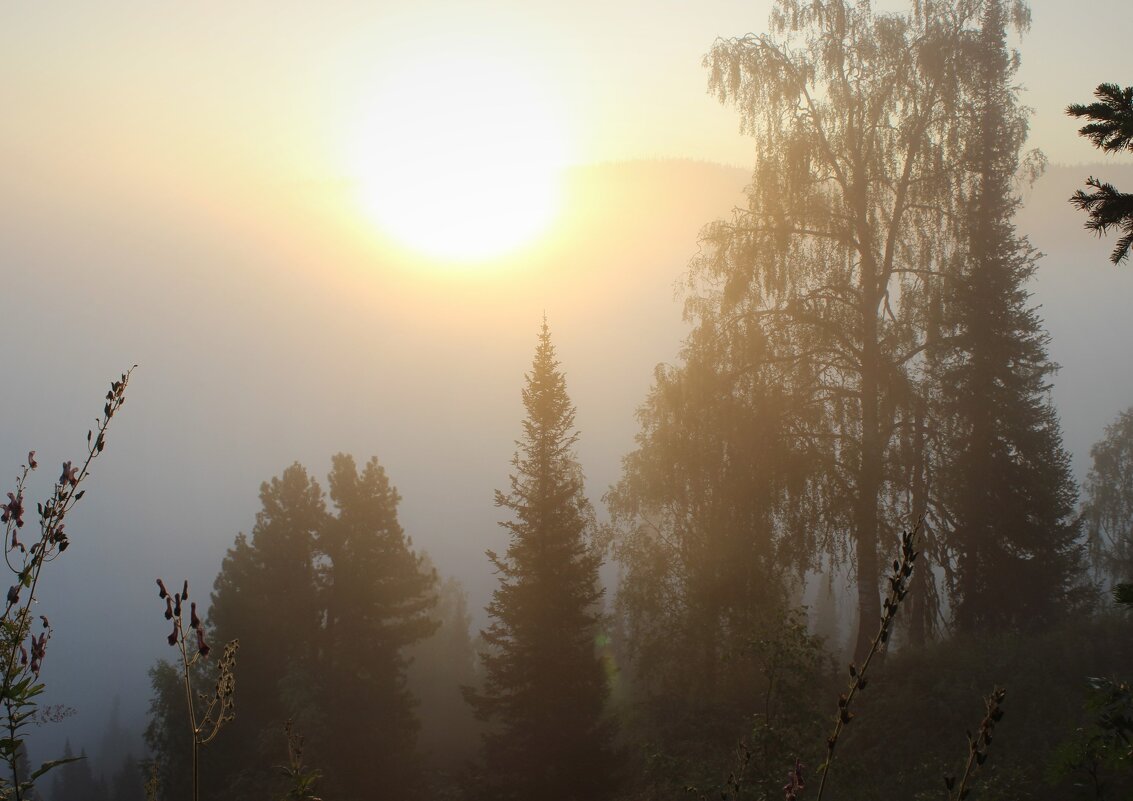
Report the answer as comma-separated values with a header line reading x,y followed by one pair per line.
x,y
842,242
1006,495
545,687
267,596
1111,131
378,597
1108,508
325,606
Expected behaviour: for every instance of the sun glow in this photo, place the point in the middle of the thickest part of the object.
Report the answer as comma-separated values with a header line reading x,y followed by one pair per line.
x,y
460,157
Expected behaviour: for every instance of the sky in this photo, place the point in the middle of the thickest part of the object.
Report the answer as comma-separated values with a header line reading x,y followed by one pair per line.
x,y
185,188
188,92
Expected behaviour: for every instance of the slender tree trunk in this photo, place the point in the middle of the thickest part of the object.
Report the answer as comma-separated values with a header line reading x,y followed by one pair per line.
x,y
869,478
919,606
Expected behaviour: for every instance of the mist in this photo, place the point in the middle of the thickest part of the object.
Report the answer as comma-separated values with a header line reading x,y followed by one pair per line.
x,y
272,324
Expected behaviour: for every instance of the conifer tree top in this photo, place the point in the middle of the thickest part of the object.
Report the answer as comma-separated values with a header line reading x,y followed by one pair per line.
x,y
550,414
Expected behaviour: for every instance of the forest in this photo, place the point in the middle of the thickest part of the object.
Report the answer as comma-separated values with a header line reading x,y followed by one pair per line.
x,y
847,557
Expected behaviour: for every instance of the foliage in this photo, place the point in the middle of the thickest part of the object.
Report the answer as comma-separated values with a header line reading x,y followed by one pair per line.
x,y
545,687
300,778
779,722
21,651
923,702
75,780
205,714
1108,507
1110,130
999,480
711,518
326,606
1098,756
898,581
843,240
128,782
266,593
439,666
378,600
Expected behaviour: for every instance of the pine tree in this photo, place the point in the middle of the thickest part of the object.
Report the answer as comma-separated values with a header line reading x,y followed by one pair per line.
x,y
1111,130
378,597
129,781
266,596
1005,477
74,781
545,687
324,606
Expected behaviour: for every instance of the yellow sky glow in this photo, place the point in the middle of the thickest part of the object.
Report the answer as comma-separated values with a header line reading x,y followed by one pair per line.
x,y
459,156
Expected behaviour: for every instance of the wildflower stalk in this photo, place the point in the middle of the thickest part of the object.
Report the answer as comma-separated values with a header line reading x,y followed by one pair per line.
x,y
19,686
977,745
301,779
219,707
898,579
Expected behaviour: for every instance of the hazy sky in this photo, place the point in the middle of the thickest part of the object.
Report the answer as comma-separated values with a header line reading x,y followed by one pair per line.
x,y
180,191
280,89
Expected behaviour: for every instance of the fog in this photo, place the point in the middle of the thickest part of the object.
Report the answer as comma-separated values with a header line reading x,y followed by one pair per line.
x,y
271,324
254,355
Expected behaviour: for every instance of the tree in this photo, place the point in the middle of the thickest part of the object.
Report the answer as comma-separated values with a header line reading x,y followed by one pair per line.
x,y
1108,508
167,732
1111,131
440,665
128,783
713,522
545,687
377,599
324,606
267,595
840,247
75,780
1006,494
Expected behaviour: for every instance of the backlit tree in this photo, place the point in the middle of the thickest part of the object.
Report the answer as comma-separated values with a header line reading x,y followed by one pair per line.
x,y
545,687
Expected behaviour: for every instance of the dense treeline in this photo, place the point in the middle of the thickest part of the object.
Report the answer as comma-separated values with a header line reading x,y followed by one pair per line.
x,y
325,606
863,358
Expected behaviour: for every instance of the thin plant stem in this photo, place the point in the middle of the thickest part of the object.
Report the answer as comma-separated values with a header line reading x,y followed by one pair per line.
x,y
48,547
898,579
977,745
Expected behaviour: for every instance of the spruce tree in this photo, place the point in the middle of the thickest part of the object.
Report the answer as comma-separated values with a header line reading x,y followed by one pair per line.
x,y
545,686
1005,478
1111,130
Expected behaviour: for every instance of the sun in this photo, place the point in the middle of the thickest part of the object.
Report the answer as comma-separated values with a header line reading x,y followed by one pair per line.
x,y
460,157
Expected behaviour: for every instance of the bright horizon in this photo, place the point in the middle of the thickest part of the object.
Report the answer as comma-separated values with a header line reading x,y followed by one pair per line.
x,y
187,188
225,109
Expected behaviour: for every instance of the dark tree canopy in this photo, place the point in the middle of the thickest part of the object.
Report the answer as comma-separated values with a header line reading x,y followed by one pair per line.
x,y
839,253
377,600
863,354
711,512
325,606
1005,498
1111,131
1108,506
545,686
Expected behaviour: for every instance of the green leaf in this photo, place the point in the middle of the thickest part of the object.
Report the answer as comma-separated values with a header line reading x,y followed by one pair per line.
x,y
54,763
